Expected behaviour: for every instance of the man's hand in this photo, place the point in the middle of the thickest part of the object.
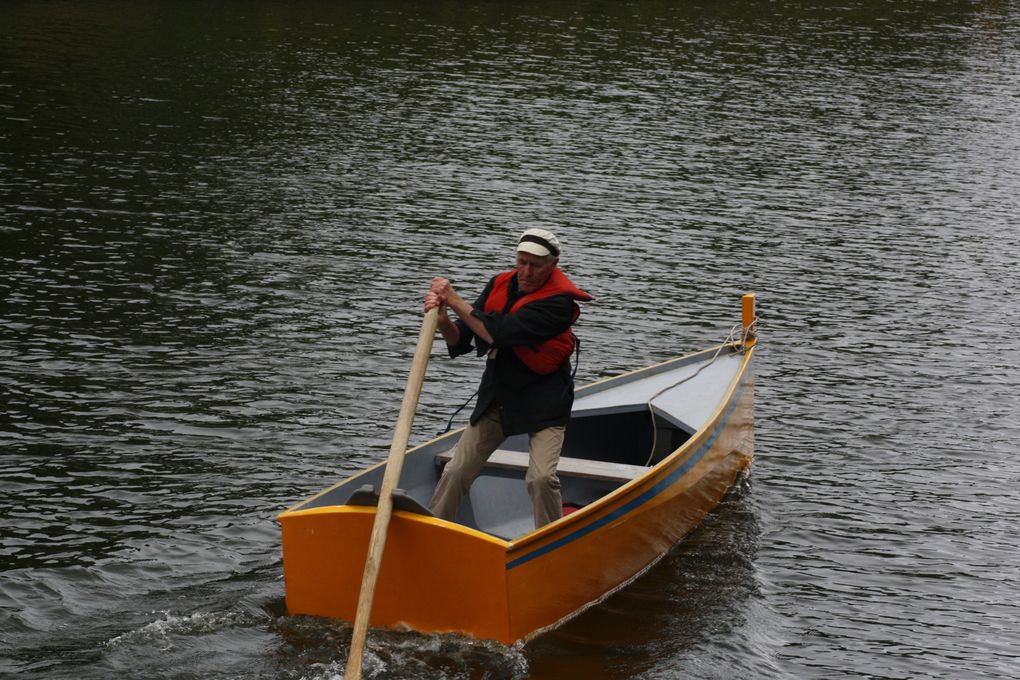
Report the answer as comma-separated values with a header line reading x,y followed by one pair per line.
x,y
436,297
441,287
432,301
441,294
442,291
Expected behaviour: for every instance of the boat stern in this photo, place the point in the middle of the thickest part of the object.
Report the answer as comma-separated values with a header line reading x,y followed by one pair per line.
x,y
435,576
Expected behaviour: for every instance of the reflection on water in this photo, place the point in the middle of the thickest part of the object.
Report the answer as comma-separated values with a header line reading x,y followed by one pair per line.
x,y
217,223
705,593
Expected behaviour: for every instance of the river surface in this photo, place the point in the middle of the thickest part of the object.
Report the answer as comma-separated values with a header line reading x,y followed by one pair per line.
x,y
218,220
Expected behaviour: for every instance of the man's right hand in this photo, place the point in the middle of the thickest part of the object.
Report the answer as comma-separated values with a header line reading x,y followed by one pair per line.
x,y
433,300
436,298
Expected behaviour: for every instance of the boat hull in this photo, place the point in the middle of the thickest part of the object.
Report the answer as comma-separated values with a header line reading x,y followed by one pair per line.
x,y
438,576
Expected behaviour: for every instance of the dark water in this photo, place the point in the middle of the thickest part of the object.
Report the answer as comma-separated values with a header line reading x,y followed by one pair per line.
x,y
218,219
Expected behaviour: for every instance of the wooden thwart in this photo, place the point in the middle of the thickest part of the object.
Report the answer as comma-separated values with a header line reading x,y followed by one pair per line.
x,y
575,467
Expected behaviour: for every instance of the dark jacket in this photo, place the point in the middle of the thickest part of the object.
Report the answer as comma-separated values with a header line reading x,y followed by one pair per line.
x,y
527,401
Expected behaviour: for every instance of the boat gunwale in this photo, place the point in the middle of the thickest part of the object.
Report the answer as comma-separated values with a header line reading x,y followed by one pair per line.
x,y
654,472
603,384
477,534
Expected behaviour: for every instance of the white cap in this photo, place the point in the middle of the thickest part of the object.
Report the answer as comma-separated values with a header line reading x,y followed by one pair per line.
x,y
539,242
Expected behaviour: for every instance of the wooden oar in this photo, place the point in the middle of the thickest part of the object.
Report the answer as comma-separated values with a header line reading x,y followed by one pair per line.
x,y
394,464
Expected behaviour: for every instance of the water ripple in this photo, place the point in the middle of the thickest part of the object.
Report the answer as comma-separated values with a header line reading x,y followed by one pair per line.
x,y
218,225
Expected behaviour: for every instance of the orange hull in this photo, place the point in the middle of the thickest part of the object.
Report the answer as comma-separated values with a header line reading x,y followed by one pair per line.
x,y
440,576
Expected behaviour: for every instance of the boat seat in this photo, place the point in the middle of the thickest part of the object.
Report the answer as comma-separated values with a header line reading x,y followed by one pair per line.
x,y
572,467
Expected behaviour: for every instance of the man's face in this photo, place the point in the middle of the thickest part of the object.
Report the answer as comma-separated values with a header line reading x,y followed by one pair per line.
x,y
533,271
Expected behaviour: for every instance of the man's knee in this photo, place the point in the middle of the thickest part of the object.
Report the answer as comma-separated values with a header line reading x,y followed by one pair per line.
x,y
456,473
544,482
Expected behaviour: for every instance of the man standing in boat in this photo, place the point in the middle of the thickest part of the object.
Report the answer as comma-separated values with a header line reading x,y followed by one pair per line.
x,y
521,323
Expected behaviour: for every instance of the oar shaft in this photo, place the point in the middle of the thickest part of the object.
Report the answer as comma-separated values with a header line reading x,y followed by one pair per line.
x,y
394,465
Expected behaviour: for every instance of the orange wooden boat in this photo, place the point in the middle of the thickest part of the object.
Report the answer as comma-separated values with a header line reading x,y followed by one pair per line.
x,y
647,454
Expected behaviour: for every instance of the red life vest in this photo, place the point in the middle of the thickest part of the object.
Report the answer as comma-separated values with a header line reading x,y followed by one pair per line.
x,y
544,357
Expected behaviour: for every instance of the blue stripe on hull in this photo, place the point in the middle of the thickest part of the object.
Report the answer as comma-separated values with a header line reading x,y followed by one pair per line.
x,y
654,491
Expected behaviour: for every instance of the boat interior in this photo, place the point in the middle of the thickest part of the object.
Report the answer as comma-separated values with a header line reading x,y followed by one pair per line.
x,y
619,428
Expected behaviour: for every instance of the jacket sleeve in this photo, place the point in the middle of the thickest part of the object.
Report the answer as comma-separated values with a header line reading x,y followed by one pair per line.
x,y
468,340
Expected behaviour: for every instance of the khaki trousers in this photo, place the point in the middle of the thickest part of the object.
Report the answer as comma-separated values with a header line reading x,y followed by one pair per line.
x,y
474,448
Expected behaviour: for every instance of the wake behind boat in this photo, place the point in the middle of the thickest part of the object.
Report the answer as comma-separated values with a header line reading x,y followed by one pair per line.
x,y
646,455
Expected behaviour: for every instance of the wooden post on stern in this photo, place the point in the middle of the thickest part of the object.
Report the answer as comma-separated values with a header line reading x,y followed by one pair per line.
x,y
394,464
749,309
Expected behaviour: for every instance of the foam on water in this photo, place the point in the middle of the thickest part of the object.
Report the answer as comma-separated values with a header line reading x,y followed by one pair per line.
x,y
160,633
